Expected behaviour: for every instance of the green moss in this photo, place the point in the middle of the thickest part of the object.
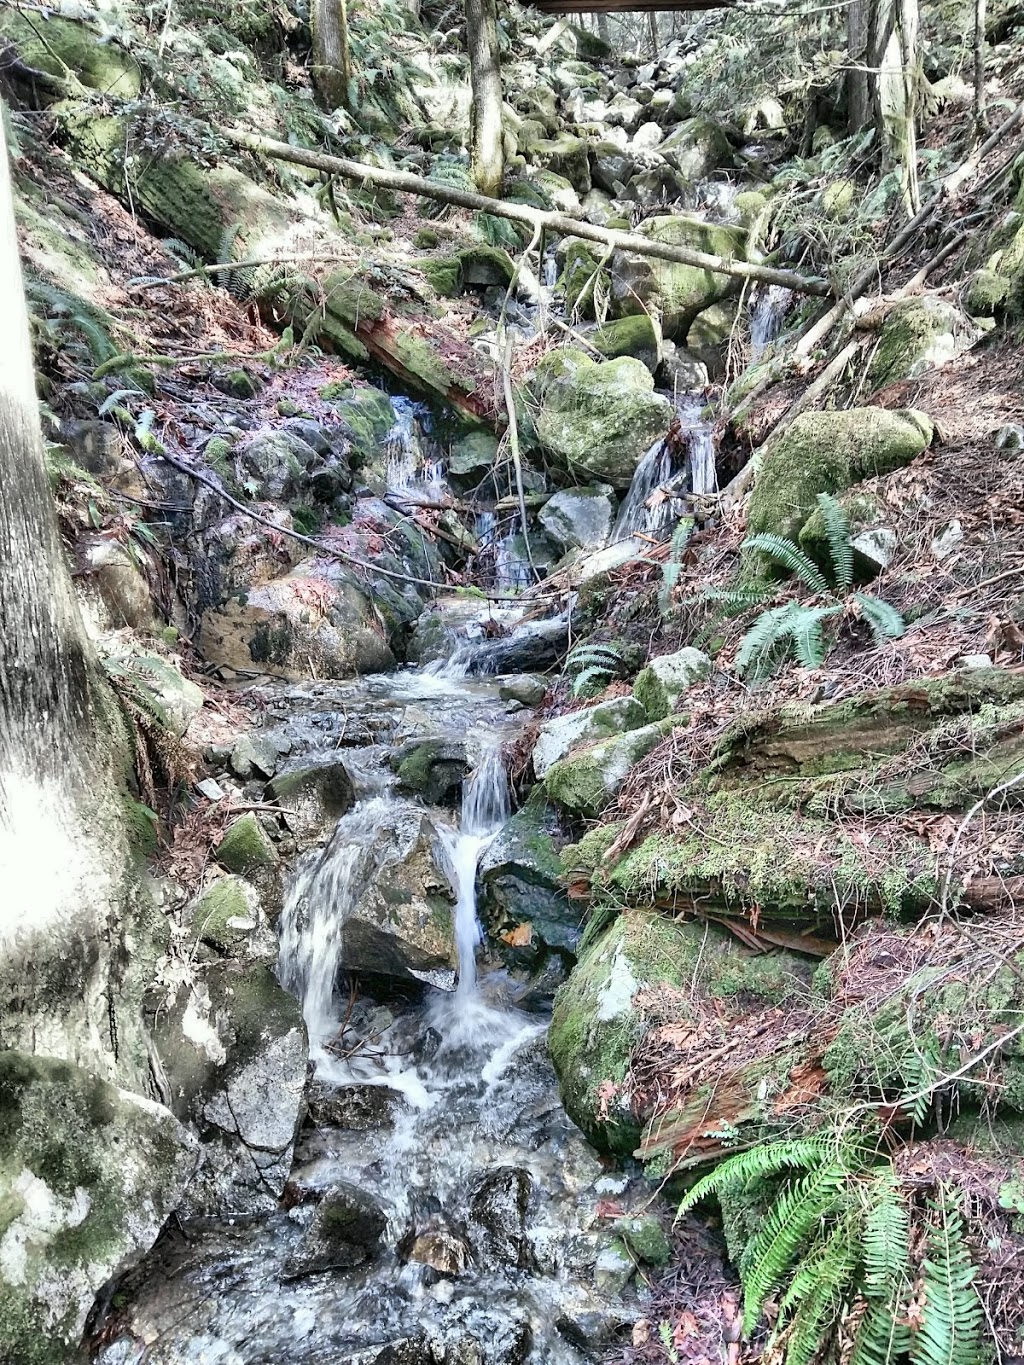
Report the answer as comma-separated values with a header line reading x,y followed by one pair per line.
x,y
246,847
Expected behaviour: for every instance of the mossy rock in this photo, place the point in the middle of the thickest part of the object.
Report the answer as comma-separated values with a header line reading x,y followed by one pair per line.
x,y
246,847
88,1175
825,452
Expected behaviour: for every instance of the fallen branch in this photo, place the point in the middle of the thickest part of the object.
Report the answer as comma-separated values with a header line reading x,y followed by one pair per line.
x,y
561,223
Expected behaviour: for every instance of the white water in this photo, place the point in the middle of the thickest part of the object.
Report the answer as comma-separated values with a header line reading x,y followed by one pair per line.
x,y
767,309
654,500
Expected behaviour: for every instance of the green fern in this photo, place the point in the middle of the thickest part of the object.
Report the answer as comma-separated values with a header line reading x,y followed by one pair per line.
x,y
784,552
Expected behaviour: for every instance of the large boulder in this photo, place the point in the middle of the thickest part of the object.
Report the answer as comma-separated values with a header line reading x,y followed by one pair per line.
x,y
560,735
303,624
917,335
825,452
598,418
585,783
232,1048
88,1176
675,293
579,518
522,897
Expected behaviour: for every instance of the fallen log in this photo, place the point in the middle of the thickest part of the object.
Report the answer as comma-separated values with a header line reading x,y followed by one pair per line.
x,y
560,223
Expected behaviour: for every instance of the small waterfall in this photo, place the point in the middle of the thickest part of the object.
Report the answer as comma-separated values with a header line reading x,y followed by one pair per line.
x,y
687,451
767,309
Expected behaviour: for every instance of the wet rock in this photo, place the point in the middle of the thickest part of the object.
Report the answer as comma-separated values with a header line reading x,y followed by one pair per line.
x,y
88,1175
522,896
584,783
499,1206
529,689
357,1108
345,1232
431,768
276,463
562,734
314,799
246,848
297,626
597,419
678,293
825,452
660,685
579,518
441,1249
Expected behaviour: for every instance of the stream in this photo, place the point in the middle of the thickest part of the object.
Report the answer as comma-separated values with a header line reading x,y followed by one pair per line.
x,y
436,1136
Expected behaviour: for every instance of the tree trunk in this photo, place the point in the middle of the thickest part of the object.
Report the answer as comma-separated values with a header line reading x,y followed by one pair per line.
x,y
331,63
65,862
487,137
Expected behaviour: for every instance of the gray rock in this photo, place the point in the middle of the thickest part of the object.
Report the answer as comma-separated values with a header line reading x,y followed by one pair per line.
x,y
233,1052
559,736
345,1232
579,518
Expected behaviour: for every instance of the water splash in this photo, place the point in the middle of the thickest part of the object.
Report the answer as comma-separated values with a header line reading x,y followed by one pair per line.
x,y
767,309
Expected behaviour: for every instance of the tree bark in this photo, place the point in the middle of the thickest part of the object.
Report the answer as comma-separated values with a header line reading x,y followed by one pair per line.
x,y
486,133
331,63
559,223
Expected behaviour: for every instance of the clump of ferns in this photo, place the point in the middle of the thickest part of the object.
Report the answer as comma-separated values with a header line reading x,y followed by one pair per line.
x,y
847,1262
800,630
162,761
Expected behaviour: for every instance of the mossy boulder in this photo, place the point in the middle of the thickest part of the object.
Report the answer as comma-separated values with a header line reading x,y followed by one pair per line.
x,y
585,783
57,46
659,686
88,1176
918,335
598,418
636,336
522,898
825,452
246,848
560,735
675,293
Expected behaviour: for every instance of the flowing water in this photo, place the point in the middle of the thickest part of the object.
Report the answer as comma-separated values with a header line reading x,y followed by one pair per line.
x,y
481,1194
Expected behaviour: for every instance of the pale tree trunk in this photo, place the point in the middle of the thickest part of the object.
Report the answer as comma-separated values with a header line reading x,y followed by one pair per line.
x,y
486,134
64,854
331,60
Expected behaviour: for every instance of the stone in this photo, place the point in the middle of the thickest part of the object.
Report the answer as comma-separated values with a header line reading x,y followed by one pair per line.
x,y
659,686
826,452
499,1206
529,689
673,292
275,463
645,1238
522,896
356,1108
232,1049
579,518
431,768
298,625
246,848
253,756
314,799
560,735
598,419
636,336
584,783
228,917
88,1176
949,539
918,335
877,547
440,1249
345,1232
696,147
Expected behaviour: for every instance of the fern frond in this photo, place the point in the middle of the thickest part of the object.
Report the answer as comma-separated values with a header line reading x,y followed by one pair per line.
x,y
761,1163
885,622
950,1329
837,533
784,552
